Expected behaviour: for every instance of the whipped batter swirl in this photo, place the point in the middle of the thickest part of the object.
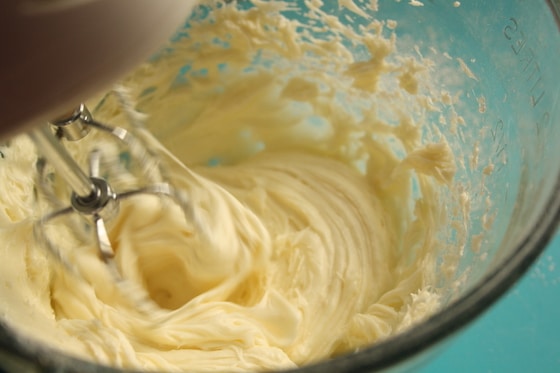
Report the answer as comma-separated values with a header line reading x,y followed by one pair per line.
x,y
313,174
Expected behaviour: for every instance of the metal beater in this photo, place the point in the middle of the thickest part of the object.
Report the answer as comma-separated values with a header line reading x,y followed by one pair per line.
x,y
92,196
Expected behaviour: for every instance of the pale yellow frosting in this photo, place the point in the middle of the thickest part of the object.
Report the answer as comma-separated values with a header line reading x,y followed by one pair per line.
x,y
320,196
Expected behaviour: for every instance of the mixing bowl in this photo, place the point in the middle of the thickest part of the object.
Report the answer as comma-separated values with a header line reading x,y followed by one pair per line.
x,y
497,63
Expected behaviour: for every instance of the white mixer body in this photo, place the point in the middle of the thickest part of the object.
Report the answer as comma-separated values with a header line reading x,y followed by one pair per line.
x,y
56,53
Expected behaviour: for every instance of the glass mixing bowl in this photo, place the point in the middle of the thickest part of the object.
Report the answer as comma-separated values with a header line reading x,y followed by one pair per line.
x,y
509,52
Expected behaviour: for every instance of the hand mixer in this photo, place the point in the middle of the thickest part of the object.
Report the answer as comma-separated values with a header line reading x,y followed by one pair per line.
x,y
56,53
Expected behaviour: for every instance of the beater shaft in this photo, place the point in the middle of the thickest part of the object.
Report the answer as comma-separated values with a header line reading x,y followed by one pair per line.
x,y
50,148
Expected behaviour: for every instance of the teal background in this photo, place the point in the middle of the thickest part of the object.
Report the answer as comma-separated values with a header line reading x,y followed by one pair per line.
x,y
520,333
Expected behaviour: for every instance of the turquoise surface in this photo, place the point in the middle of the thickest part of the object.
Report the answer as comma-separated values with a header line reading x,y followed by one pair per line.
x,y
520,333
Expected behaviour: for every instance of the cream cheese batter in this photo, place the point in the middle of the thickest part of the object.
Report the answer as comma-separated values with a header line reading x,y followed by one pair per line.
x,y
324,198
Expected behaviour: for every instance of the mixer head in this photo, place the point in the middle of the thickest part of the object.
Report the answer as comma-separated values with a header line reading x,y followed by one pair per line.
x,y
120,167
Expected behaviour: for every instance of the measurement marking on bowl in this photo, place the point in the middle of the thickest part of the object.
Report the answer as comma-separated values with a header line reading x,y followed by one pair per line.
x,y
530,70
